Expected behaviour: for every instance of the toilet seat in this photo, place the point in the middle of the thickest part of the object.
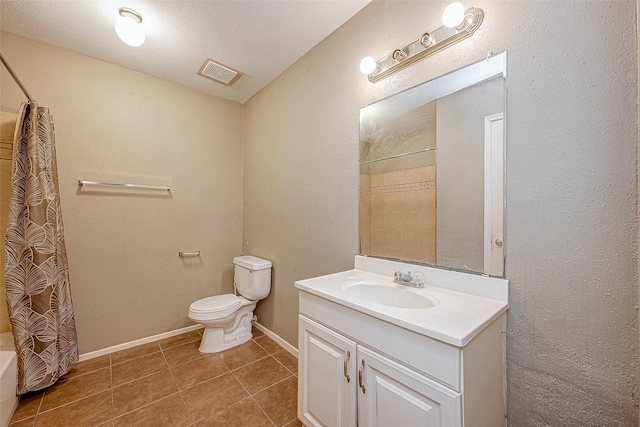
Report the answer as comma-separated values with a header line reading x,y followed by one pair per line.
x,y
215,307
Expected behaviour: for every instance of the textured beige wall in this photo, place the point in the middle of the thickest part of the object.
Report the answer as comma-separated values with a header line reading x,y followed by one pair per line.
x,y
571,242
114,124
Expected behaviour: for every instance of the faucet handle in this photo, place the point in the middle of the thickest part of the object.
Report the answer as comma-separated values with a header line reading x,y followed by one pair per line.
x,y
417,278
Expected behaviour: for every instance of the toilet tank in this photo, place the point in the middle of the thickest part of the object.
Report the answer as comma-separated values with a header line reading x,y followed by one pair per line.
x,y
252,277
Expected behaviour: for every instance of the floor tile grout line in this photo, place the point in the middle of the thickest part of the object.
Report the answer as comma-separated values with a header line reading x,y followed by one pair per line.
x,y
88,372
144,406
137,357
273,385
12,421
251,396
178,388
265,349
202,382
168,366
262,410
140,378
277,382
69,403
252,399
254,340
113,403
178,345
285,367
160,349
246,364
39,406
260,406
203,355
241,385
73,379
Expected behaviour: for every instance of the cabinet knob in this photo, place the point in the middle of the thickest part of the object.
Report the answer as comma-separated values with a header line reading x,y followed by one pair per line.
x,y
360,377
345,366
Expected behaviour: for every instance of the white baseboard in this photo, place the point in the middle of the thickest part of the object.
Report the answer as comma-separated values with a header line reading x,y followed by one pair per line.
x,y
124,346
291,349
86,356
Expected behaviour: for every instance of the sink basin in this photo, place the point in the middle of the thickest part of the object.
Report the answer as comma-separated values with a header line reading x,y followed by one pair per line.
x,y
397,296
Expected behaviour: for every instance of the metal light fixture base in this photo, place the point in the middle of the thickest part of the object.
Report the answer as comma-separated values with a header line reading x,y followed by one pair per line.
x,y
427,45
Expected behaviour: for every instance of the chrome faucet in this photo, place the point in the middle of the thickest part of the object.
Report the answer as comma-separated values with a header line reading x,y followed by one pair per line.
x,y
407,278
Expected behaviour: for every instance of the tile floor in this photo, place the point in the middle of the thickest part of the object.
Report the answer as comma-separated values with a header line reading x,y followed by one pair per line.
x,y
170,383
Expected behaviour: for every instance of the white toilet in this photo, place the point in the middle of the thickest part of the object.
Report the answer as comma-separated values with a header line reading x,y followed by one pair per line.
x,y
227,318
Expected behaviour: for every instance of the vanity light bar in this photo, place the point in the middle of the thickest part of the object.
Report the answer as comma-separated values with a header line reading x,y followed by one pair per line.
x,y
426,45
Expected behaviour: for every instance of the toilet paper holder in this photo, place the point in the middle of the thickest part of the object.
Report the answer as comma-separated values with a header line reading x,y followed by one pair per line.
x,y
188,254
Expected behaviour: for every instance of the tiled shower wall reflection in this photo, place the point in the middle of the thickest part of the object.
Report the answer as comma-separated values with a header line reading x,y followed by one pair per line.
x,y
7,126
398,214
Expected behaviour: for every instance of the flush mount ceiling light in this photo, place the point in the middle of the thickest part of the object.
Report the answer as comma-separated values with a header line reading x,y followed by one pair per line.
x,y
457,26
129,27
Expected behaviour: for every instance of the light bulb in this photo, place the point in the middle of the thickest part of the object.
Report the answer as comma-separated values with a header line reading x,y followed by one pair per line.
x,y
368,65
129,28
453,15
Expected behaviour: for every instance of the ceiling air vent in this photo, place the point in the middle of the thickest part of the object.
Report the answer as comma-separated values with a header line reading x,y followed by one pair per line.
x,y
218,72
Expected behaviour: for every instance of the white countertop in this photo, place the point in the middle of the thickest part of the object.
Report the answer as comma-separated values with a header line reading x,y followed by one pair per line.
x,y
456,318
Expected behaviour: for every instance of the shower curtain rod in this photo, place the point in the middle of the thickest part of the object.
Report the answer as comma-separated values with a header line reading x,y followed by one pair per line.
x,y
6,65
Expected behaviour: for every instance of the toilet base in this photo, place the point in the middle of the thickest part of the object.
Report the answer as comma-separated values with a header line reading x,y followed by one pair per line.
x,y
228,332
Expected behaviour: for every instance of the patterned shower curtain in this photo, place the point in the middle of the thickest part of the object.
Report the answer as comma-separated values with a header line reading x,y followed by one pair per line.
x,y
36,269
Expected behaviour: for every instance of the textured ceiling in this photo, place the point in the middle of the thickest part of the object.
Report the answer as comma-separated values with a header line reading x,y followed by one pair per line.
x,y
258,38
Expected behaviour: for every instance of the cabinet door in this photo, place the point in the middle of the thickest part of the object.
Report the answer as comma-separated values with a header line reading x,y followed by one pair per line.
x,y
391,395
326,376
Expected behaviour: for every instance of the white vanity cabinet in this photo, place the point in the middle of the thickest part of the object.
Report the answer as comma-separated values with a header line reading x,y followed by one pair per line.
x,y
375,353
356,369
344,383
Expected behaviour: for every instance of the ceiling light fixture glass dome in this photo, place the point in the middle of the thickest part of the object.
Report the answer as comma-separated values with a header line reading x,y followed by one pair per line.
x,y
129,27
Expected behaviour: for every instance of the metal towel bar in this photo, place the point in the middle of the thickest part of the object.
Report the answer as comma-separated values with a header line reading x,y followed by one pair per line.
x,y
116,184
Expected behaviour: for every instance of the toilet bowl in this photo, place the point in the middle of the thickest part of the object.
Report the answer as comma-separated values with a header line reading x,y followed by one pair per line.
x,y
227,318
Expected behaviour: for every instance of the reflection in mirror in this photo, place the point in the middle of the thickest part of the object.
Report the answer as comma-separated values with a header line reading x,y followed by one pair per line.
x,y
431,171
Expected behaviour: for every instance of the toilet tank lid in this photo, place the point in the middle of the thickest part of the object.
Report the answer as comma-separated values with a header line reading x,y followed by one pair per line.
x,y
251,262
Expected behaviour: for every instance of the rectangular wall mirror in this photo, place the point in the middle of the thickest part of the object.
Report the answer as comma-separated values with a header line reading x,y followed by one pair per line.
x,y
432,171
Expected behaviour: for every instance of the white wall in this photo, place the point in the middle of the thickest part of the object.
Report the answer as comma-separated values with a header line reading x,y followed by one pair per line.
x,y
571,228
